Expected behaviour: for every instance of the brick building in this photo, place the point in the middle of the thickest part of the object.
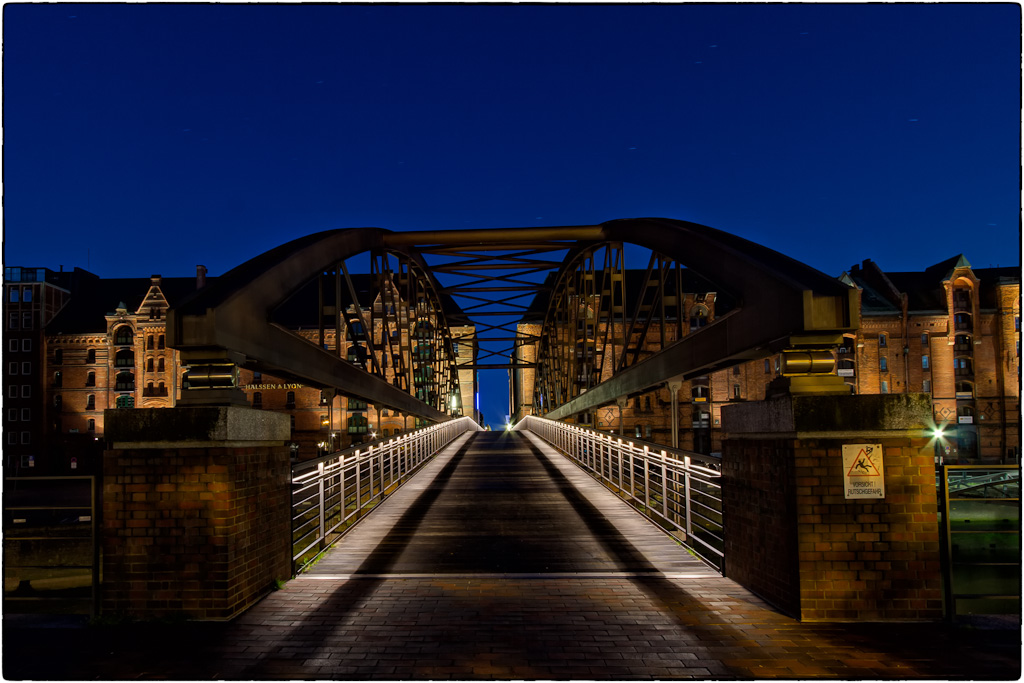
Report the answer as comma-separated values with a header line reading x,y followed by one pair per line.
x,y
951,331
77,345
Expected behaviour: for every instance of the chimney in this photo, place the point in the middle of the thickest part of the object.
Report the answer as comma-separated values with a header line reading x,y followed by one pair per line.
x,y
200,277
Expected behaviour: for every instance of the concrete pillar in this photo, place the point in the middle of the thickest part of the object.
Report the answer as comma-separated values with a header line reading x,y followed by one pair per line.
x,y
792,534
196,510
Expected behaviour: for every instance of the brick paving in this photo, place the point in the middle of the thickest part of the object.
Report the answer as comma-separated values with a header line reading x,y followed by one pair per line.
x,y
502,560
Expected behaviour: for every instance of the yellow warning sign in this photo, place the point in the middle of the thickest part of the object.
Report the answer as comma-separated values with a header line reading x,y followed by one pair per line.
x,y
863,471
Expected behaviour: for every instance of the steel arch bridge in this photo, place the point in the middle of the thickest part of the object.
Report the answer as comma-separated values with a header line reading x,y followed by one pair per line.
x,y
421,312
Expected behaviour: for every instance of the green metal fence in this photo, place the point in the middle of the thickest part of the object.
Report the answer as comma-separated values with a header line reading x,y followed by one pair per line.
x,y
981,518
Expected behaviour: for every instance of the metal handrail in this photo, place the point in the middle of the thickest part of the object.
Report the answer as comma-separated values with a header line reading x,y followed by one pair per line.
x,y
331,493
664,484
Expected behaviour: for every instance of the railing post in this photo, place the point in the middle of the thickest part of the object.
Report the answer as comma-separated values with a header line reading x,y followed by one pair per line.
x,y
686,479
647,480
664,484
321,518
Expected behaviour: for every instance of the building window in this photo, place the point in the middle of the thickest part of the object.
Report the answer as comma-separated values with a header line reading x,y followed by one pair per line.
x,y
356,404
885,387
13,346
90,379
699,393
257,399
26,345
90,356
58,357
150,344
736,391
325,422
26,438
12,391
26,368
926,386
12,320
12,438
160,364
924,362
358,424
26,414
125,401
962,366
882,340
289,401
26,295
924,339
91,425
123,335
12,414
58,379
883,364
257,377
58,403
26,391
125,381
149,365
14,295
160,342
12,368
26,321
90,402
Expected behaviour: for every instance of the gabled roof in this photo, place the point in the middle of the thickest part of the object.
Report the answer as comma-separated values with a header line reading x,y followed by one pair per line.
x,y
94,299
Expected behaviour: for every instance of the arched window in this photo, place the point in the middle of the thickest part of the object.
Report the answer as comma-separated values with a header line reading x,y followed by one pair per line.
x,y
90,402
123,335
963,367
883,340
124,358
150,343
125,381
149,365
91,425
924,362
160,342
90,379
257,399
160,364
964,390
58,379
90,356
290,399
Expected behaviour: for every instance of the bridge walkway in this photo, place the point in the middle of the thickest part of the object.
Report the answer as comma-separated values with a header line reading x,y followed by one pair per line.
x,y
503,560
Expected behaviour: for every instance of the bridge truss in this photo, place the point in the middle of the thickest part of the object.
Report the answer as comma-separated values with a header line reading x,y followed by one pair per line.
x,y
570,306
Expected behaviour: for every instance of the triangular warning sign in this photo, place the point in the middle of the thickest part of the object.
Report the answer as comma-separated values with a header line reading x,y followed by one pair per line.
x,y
862,465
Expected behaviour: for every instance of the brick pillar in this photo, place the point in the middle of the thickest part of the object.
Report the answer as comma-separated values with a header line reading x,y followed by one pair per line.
x,y
196,510
791,535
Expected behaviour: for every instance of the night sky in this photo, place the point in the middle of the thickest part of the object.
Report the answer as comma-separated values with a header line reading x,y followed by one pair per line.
x,y
150,138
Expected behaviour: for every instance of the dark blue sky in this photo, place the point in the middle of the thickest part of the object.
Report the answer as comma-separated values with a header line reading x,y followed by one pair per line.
x,y
149,138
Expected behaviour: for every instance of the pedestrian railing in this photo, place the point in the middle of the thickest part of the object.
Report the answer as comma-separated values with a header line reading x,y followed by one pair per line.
x,y
677,490
51,549
333,492
981,523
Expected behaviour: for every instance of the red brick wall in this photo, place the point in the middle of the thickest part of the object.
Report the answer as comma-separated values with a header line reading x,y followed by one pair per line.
x,y
858,560
202,532
759,513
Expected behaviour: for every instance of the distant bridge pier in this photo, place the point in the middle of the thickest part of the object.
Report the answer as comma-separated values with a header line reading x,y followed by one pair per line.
x,y
792,534
196,509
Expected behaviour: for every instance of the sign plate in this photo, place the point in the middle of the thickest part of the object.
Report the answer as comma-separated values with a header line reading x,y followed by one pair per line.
x,y
863,471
